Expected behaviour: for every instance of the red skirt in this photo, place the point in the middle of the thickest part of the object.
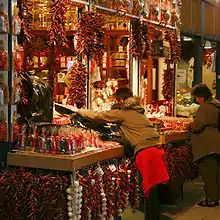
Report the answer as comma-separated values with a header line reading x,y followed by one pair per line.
x,y
151,164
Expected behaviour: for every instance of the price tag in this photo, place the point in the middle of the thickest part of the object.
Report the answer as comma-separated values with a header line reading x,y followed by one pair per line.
x,y
112,167
61,77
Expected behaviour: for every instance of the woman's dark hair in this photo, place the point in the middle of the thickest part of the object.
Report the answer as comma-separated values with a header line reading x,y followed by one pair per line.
x,y
123,93
201,90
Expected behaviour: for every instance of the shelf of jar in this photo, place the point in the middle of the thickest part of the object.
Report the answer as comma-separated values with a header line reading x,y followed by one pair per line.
x,y
38,69
115,68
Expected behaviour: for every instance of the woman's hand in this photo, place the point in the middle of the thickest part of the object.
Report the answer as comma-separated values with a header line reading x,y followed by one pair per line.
x,y
73,108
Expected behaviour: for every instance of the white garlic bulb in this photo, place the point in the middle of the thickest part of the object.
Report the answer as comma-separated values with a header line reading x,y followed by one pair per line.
x,y
70,214
76,183
69,197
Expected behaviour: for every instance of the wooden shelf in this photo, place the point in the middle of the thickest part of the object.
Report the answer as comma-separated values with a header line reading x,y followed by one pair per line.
x,y
183,114
42,69
62,162
117,32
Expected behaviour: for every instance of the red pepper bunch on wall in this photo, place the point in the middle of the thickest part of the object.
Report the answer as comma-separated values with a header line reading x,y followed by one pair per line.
x,y
76,82
139,44
175,45
26,21
90,36
168,88
136,43
57,35
207,56
26,196
169,76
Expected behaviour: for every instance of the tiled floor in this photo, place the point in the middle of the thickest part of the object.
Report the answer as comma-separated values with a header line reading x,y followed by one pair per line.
x,y
187,209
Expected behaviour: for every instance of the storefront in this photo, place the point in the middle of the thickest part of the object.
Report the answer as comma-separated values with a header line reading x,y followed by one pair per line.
x,y
79,53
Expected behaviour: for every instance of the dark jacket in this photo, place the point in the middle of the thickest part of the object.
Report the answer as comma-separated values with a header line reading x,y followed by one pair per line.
x,y
205,135
133,123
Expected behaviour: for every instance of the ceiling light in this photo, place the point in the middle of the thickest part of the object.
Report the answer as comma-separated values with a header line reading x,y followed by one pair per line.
x,y
208,45
187,39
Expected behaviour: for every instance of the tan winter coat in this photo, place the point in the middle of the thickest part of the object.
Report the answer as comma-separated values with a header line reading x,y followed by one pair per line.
x,y
133,123
206,137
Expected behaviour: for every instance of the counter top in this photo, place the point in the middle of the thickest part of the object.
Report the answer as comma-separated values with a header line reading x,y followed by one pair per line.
x,y
165,139
62,162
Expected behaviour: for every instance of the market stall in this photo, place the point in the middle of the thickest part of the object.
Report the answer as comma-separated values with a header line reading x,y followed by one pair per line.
x,y
79,53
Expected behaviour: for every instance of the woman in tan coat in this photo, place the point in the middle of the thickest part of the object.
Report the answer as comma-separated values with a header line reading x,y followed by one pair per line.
x,y
206,143
135,128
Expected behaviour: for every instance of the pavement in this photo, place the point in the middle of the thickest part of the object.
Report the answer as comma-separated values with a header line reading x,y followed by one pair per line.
x,y
186,209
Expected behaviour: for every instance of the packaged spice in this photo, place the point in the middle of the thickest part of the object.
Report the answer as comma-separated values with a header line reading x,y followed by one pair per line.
x,y
3,56
3,19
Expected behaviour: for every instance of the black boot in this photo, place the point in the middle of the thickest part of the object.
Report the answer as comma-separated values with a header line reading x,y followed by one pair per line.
x,y
152,205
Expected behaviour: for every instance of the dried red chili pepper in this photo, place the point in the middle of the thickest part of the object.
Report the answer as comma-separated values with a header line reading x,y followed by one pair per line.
x,y
25,34
90,36
57,35
139,43
172,37
168,88
77,78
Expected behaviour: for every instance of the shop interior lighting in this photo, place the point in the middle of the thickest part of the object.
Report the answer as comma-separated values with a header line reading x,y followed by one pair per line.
x,y
187,39
208,45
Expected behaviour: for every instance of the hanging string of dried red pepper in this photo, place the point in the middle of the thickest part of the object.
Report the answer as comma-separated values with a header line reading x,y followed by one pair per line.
x,y
136,43
76,81
139,42
175,45
90,36
25,34
57,35
146,39
168,88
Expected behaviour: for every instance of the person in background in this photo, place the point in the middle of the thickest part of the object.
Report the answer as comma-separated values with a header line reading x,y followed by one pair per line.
x,y
136,129
206,143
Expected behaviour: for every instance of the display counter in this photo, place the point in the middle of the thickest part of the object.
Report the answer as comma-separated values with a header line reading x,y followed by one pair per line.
x,y
78,160
96,171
